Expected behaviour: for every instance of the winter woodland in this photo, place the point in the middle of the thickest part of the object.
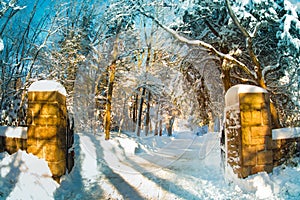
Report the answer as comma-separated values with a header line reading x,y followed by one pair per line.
x,y
142,66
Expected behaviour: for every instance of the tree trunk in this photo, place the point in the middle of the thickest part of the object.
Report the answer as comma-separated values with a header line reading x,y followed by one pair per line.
x,y
134,112
225,70
274,116
107,118
139,117
160,122
156,119
169,125
147,121
124,115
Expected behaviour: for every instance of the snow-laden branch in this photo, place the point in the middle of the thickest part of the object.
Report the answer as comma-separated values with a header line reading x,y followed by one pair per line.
x,y
207,46
269,68
236,21
257,27
1,45
249,45
5,6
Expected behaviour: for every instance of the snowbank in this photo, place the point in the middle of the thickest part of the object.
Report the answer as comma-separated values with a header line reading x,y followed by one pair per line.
x,y
24,176
47,85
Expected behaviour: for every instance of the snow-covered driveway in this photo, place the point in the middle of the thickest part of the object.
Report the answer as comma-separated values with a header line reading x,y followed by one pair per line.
x,y
182,167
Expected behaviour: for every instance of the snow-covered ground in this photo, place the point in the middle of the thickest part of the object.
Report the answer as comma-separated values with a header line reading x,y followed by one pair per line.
x,y
185,166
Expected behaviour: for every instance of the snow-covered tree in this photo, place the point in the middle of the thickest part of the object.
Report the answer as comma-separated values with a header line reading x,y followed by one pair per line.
x,y
247,37
18,55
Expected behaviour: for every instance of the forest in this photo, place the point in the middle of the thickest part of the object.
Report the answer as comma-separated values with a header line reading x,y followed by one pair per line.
x,y
139,64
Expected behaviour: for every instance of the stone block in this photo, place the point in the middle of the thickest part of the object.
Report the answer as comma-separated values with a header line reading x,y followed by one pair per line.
x,y
47,132
32,141
251,98
266,117
244,172
264,157
260,147
258,141
256,118
246,118
41,132
58,142
245,107
246,135
36,150
11,149
47,120
262,168
269,143
249,155
260,131
54,153
46,108
57,168
257,106
47,96
11,142
12,145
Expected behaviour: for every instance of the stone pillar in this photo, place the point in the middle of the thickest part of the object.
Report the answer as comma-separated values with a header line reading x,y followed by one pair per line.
x,y
47,124
248,136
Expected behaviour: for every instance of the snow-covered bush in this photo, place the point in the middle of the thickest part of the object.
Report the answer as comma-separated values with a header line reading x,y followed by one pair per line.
x,y
12,113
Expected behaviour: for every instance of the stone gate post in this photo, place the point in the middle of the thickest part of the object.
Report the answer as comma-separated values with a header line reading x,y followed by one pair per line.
x,y
248,133
47,123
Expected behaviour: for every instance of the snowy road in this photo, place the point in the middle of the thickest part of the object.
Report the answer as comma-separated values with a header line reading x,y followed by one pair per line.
x,y
183,167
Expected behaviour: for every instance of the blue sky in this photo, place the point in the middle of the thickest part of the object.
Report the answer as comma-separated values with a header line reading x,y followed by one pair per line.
x,y
296,2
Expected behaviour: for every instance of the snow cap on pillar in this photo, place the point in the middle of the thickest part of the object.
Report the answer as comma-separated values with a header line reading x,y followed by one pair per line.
x,y
47,86
232,95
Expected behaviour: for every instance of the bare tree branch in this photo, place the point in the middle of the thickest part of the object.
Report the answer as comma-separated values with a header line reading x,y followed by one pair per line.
x,y
249,45
207,46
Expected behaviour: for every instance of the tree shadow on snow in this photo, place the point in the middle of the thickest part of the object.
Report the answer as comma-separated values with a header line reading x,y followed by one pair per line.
x,y
123,187
10,180
74,185
126,190
164,184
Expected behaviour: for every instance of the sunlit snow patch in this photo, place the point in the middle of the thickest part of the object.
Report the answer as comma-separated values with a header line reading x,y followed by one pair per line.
x,y
24,176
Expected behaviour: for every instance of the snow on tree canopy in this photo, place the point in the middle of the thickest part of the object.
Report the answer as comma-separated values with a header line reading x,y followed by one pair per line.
x,y
290,19
232,96
47,86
